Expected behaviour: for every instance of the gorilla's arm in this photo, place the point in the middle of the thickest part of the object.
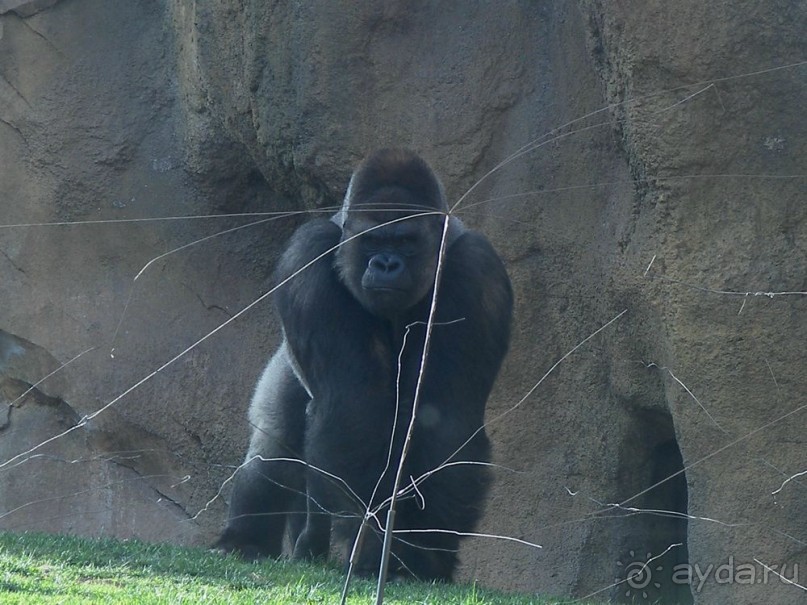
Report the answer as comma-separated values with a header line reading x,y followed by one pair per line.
x,y
469,342
268,490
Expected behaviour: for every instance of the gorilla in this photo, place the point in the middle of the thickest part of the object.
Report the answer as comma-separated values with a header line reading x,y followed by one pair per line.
x,y
354,300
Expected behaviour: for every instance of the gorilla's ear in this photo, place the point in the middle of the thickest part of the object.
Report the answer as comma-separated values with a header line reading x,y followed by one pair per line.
x,y
341,215
455,228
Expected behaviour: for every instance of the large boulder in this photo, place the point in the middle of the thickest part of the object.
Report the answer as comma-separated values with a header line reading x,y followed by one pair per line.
x,y
640,162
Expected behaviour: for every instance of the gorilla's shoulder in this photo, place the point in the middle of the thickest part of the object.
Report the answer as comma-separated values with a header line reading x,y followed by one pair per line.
x,y
472,253
314,239
477,277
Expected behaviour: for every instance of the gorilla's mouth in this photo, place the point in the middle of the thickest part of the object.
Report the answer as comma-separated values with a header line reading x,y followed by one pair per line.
x,y
383,289
385,300
375,284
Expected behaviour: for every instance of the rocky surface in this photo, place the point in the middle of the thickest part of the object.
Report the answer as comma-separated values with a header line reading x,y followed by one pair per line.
x,y
657,170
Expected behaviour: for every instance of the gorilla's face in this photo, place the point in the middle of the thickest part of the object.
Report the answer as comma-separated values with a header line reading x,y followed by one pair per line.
x,y
390,264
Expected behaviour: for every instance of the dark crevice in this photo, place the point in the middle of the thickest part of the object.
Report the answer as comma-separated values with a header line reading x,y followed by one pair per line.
x,y
651,457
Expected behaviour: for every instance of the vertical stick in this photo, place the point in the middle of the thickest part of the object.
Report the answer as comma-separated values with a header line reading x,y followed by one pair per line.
x,y
387,547
354,553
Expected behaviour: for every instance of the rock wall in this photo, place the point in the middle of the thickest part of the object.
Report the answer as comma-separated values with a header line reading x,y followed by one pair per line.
x,y
641,162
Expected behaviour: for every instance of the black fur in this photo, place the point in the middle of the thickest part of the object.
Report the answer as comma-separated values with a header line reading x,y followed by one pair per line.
x,y
345,319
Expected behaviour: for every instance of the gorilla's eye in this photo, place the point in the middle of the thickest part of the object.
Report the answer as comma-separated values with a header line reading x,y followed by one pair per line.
x,y
410,244
373,240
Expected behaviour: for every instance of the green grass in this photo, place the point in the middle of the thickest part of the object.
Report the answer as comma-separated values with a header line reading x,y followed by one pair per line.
x,y
36,568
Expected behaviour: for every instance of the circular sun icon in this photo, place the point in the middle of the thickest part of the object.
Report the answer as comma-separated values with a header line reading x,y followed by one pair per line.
x,y
638,575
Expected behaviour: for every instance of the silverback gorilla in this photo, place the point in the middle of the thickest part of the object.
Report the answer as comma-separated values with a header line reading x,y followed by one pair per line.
x,y
339,392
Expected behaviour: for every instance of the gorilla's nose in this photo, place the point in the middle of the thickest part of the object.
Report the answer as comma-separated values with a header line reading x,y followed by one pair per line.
x,y
386,266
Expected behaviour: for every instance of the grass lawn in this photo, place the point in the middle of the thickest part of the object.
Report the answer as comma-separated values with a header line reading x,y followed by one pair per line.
x,y
36,568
